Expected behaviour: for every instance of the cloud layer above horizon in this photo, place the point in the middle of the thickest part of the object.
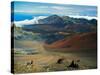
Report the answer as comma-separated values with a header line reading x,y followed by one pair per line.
x,y
60,9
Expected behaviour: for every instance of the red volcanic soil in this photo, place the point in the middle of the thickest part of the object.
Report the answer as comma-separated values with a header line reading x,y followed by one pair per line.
x,y
79,41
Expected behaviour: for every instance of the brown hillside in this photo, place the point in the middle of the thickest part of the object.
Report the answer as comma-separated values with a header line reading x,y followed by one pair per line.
x,y
79,41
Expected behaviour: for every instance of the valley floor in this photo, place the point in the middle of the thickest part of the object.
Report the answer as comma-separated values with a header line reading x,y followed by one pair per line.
x,y
47,62
39,59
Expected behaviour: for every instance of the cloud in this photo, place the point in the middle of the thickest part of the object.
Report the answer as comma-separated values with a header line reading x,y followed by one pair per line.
x,y
43,7
58,7
28,22
86,17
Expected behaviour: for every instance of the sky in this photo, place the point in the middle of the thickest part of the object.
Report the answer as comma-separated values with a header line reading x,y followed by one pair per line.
x,y
60,9
48,9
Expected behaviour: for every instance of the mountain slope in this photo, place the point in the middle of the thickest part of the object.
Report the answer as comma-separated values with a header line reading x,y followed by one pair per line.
x,y
76,42
56,23
52,20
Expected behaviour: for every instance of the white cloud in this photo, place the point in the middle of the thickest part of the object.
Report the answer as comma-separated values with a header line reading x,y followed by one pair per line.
x,y
86,17
42,6
58,7
28,22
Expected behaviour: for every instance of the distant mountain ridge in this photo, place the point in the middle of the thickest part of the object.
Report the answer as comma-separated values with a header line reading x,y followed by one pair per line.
x,y
57,23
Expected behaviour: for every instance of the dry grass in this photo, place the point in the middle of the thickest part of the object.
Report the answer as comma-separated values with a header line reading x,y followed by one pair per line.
x,y
48,62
